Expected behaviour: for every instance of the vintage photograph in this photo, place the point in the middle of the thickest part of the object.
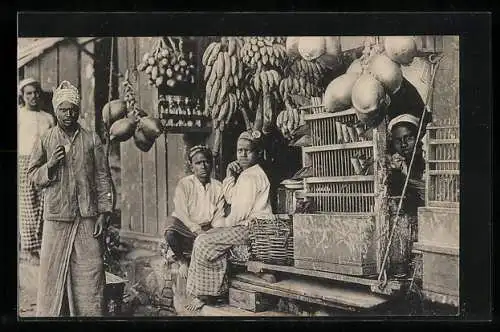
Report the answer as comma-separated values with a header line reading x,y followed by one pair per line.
x,y
289,176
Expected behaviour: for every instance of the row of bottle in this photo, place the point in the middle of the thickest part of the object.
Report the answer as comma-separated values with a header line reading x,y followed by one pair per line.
x,y
179,105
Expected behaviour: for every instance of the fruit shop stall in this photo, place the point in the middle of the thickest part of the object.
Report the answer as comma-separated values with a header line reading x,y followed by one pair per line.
x,y
322,147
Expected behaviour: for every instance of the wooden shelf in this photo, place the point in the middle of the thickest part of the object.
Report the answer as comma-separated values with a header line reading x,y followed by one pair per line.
x,y
435,141
344,146
392,285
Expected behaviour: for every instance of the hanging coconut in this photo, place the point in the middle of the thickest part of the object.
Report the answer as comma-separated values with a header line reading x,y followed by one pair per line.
x,y
386,72
337,95
311,48
369,99
142,142
292,47
114,110
355,67
401,49
122,129
151,127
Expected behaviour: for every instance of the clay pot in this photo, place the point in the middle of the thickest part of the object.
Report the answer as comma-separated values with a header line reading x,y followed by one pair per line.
x,y
369,98
401,49
311,48
386,72
152,127
338,93
142,142
114,110
122,129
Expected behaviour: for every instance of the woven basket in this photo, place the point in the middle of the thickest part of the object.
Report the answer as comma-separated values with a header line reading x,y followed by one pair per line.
x,y
271,241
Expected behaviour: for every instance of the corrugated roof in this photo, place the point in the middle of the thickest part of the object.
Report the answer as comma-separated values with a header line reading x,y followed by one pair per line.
x,y
31,48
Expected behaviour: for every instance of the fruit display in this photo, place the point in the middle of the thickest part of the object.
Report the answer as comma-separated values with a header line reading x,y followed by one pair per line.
x,y
168,65
181,112
337,95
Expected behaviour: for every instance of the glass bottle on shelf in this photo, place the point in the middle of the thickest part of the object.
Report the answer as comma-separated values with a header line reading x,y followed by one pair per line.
x,y
198,108
170,105
187,102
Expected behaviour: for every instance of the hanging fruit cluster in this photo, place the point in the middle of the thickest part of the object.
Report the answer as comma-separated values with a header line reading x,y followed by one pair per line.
x,y
124,120
371,80
257,52
168,64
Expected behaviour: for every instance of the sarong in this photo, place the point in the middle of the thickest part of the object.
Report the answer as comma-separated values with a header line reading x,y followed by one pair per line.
x,y
207,271
71,269
30,203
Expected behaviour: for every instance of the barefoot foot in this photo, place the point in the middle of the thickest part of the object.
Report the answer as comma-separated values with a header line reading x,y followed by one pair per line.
x,y
195,305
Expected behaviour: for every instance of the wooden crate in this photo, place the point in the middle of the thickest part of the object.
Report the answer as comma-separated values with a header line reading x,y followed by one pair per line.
x,y
335,243
439,226
440,272
248,300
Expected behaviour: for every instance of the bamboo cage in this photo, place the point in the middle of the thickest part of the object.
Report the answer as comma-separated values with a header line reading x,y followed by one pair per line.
x,y
443,164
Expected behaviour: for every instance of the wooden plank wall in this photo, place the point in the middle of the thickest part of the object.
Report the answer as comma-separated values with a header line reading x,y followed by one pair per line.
x,y
65,61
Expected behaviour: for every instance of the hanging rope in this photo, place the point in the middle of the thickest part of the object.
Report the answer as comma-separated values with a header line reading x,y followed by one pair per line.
x,y
107,126
434,60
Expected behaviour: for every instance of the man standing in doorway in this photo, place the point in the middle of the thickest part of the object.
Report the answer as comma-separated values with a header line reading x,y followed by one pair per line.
x,y
70,163
32,122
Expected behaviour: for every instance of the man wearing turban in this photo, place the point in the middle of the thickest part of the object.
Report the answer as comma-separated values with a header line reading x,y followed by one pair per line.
x,y
246,188
32,122
198,206
69,162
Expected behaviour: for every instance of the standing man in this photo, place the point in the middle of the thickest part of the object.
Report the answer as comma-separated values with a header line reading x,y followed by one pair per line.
x,y
32,122
199,206
70,163
246,188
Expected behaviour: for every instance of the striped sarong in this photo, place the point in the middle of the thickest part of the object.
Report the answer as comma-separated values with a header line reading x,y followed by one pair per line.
x,y
30,203
207,270
71,271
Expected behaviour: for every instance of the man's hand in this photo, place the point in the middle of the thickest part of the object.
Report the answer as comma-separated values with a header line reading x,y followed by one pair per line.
x,y
233,169
56,156
99,225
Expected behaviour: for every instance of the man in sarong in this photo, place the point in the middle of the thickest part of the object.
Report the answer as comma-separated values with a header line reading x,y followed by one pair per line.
x,y
32,122
70,163
198,206
246,188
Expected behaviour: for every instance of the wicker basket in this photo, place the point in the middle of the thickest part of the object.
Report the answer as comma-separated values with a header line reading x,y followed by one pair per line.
x,y
271,240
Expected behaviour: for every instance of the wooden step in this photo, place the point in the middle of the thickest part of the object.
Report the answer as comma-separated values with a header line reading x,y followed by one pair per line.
x,y
322,293
227,310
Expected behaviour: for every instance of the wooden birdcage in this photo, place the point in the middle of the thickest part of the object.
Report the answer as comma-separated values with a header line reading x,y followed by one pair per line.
x,y
443,164
347,231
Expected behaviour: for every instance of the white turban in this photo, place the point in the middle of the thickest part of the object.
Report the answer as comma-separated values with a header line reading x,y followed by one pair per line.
x,y
26,82
404,118
66,92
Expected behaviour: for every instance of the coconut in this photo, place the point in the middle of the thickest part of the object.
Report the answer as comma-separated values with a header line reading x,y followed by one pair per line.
x,y
142,142
151,127
311,48
369,98
114,110
386,72
337,95
401,49
122,129
355,67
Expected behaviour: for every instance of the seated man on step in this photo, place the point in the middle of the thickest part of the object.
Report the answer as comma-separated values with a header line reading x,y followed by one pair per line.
x,y
246,189
198,206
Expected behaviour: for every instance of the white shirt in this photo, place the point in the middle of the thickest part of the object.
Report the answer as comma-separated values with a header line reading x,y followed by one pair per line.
x,y
31,125
248,196
197,205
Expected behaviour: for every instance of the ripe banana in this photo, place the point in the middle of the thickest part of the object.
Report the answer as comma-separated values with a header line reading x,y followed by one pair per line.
x,y
219,64
231,47
207,53
208,71
222,92
234,65
214,92
214,54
